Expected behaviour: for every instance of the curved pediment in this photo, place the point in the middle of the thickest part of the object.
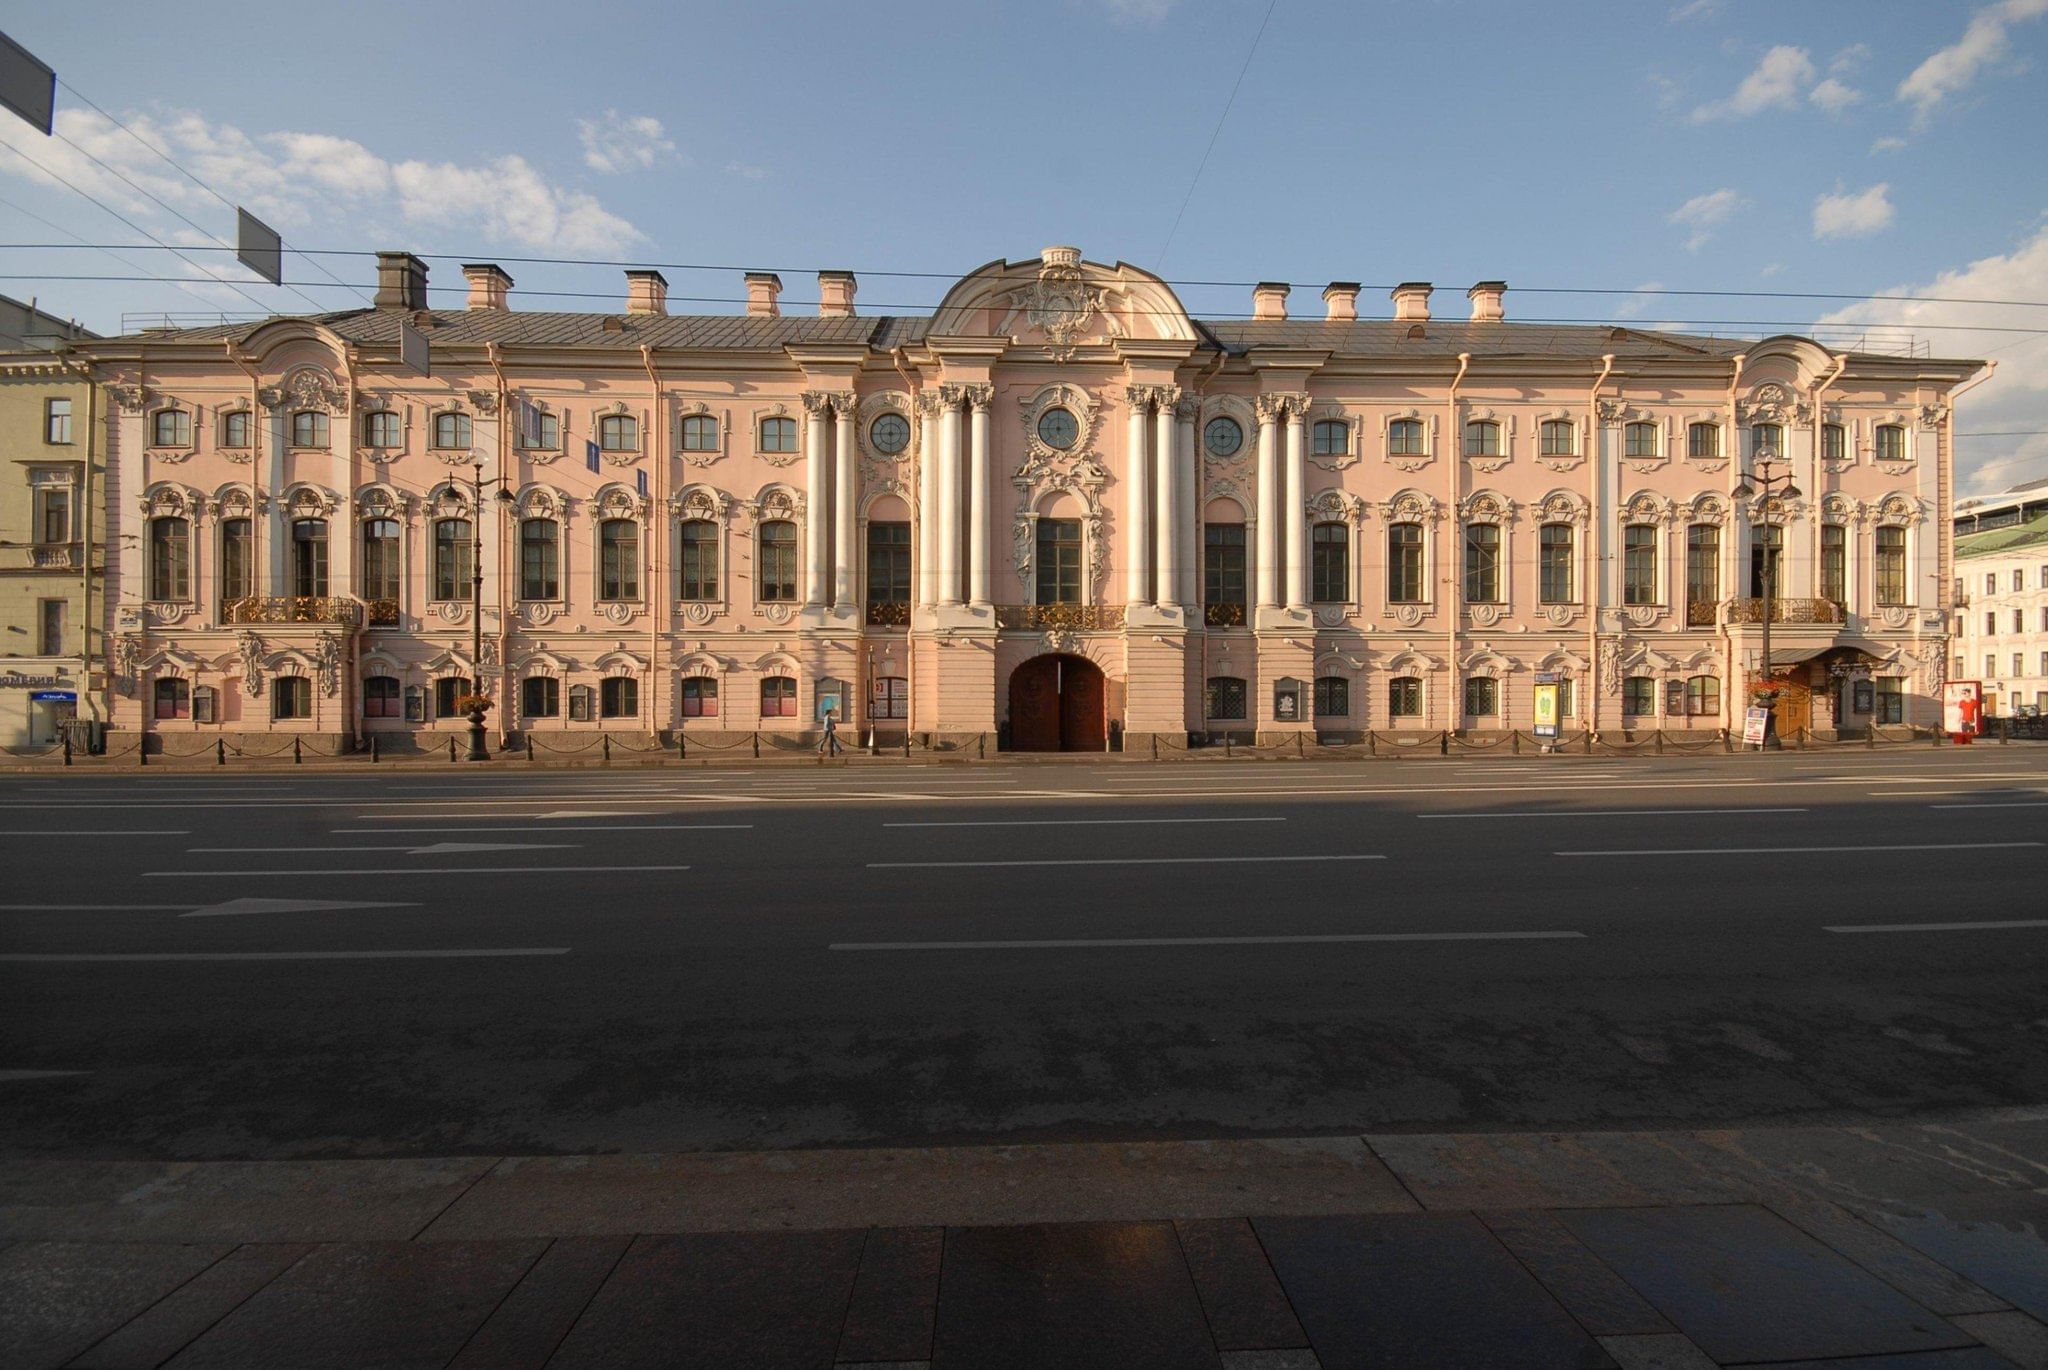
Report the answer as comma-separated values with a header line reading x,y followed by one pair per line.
x,y
1061,303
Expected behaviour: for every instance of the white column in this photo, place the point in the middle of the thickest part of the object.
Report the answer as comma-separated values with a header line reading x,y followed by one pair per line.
x,y
271,431
949,496
816,503
1166,477
1269,502
1292,503
927,498
1137,538
1188,517
980,396
846,495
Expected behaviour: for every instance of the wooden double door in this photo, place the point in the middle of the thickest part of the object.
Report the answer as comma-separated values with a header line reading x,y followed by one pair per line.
x,y
1058,704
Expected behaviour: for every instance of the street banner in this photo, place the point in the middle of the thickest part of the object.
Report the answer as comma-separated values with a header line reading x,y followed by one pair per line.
x,y
590,457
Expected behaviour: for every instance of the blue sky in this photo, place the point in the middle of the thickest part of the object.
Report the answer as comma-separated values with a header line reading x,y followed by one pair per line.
x,y
1702,144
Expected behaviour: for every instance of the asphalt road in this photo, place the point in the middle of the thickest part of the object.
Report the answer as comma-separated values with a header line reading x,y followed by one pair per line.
x,y
591,961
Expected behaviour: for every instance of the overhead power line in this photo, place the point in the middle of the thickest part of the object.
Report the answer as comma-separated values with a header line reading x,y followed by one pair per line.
x,y
1216,133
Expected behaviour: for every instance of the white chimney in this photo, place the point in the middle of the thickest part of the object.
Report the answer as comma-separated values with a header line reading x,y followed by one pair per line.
x,y
835,294
1269,300
1411,302
1341,301
1485,299
763,289
646,292
489,286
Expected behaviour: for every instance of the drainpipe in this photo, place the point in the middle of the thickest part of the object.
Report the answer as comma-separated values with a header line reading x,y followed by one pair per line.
x,y
92,396
1454,440
1596,526
1735,667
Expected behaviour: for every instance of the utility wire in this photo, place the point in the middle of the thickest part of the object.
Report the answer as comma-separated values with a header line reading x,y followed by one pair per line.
x,y
1202,165
133,266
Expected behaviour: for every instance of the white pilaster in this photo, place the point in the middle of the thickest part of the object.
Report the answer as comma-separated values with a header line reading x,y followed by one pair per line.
x,y
1293,502
1187,519
845,496
816,501
1268,568
949,495
927,498
1137,501
980,397
1165,479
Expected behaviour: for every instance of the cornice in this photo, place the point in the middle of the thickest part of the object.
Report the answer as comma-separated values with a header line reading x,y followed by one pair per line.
x,y
965,345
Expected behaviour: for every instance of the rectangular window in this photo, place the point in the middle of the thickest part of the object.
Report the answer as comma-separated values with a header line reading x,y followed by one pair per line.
x,y
50,623
1404,697
700,697
1333,697
1223,574
1555,438
1554,568
1639,440
1834,442
172,698
888,572
1703,696
448,690
1703,440
1639,564
775,577
618,697
2019,663
380,565
698,565
451,431
547,433
778,697
381,428
2019,620
618,560
1702,568
1482,438
1482,563
1059,561
618,433
540,696
234,428
1991,623
454,560
1766,543
291,696
1482,697
236,562
309,428
1891,701
888,697
539,559
170,428
700,433
1990,665
57,422
1891,566
1639,695
1834,563
581,703
1330,563
1565,708
1404,438
1224,701
382,697
1404,564
170,559
2019,579
53,513
1891,442
309,558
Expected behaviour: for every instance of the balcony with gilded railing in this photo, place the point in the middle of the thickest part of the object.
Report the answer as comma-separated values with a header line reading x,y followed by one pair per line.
x,y
1782,611
337,610
1078,618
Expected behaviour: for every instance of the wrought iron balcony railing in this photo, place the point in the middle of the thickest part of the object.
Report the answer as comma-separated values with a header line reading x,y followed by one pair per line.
x,y
888,614
1702,613
1785,611
1224,615
383,613
334,609
1073,617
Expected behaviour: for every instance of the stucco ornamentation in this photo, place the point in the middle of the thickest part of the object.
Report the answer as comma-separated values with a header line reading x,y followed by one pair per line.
x,y
327,664
776,613
538,612
130,398
1933,415
873,407
1408,461
452,611
250,651
1484,615
1559,461
1354,437
1408,615
1039,456
1773,403
168,611
1059,304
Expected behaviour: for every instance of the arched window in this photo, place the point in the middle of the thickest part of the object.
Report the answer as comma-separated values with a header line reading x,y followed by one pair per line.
x,y
778,697
1482,696
1482,563
309,558
700,697
775,573
1059,561
618,697
170,428
1766,545
1405,581
454,559
1331,438
1404,438
1702,573
382,697
1639,564
1639,439
1404,697
1330,563
451,430
381,428
778,434
1890,567
1703,440
1223,574
1554,570
698,564
237,561
540,561
1834,442
618,433
291,696
1703,696
1890,442
381,570
1556,438
1639,695
700,433
1224,698
309,428
172,698
1332,696
234,428
540,696
1482,438
618,563
1834,563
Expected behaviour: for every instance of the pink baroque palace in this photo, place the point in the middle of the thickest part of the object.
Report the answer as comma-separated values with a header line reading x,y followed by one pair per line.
x,y
1057,513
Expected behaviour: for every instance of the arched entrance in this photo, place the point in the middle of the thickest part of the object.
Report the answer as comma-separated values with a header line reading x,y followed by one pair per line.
x,y
1058,704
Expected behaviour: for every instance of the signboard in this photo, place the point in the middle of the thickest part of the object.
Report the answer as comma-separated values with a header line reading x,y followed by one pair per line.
x,y
258,247
1286,700
831,699
1544,713
1755,727
1962,708
27,86
53,696
414,352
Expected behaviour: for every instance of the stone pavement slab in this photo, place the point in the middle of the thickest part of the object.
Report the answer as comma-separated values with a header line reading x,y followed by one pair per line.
x,y
1511,1170
394,1305
1419,1291
1968,1358
720,1301
2014,1335
168,1325
524,1330
1063,1295
1745,1285
1925,1281
58,1298
1601,1301
1247,1308
895,1296
1656,1351
1999,1241
924,1187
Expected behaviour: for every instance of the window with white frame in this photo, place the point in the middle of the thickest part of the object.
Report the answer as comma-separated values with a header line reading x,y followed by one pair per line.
x,y
309,428
170,428
1556,438
1639,439
57,422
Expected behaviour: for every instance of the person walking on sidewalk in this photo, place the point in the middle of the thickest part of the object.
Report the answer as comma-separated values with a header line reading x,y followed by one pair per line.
x,y
828,741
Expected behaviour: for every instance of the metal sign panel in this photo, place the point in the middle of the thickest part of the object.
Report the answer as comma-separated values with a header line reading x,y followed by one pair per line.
x,y
413,350
258,247
27,86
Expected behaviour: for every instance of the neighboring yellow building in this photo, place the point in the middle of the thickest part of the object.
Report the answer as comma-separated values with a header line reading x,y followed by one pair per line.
x,y
52,527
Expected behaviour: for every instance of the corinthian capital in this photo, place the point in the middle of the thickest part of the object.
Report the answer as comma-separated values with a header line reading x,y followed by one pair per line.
x,y
844,402
1166,397
930,404
1271,407
981,396
817,402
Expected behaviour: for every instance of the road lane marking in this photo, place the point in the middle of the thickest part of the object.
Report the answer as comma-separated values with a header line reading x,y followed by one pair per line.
x,y
1211,941
422,870
8,1077
431,954
2021,804
1604,813
1116,861
593,827
98,832
233,907
1775,851
1072,822
434,849
89,908
1939,927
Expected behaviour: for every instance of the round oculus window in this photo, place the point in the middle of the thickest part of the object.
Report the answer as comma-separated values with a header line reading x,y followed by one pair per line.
x,y
1057,428
890,434
1223,436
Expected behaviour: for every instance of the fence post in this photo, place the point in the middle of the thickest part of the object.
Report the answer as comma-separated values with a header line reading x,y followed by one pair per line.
x,y
529,746
220,751
1300,745
2004,731
1515,742
682,747
981,746
607,746
296,758
1155,747
1226,744
451,748
757,746
141,747
1660,742
67,748
1870,736
1443,743
373,749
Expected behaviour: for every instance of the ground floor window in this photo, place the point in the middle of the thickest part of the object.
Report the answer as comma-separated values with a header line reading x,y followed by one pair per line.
x,y
619,697
1224,699
1404,697
1482,697
1639,695
173,698
1333,697
1565,707
291,696
700,697
381,697
1891,701
1703,696
778,697
582,702
540,696
889,697
447,690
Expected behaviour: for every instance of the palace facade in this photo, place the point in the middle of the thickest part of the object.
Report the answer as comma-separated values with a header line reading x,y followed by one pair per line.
x,y
1058,510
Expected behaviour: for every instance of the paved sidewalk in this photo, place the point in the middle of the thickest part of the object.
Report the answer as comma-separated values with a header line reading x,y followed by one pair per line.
x,y
1895,1247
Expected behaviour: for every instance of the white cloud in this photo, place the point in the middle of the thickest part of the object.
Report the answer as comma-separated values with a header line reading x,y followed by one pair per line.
x,y
747,170
295,179
1639,301
1848,59
1775,84
619,142
2016,398
1842,215
1832,96
1886,144
1704,213
1138,11
1774,269
1695,9
1955,68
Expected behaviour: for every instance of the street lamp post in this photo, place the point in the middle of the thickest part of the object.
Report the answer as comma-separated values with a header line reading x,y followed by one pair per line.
x,y
1764,480
475,712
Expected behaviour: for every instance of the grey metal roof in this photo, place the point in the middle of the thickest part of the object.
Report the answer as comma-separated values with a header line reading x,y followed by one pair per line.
x,y
1447,338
